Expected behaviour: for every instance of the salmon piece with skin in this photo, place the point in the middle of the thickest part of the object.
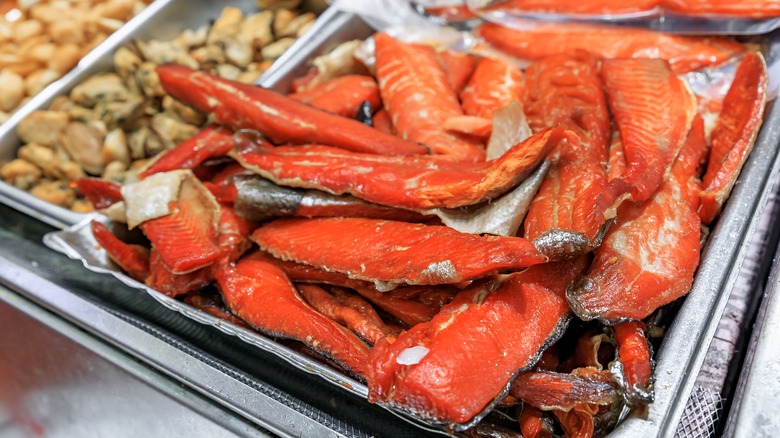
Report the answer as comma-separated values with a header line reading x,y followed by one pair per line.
x,y
416,94
460,363
404,182
494,84
635,364
734,134
684,53
212,141
458,67
654,110
568,215
394,253
649,256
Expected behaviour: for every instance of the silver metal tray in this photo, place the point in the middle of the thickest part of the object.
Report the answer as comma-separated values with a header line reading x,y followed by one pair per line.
x,y
162,20
682,351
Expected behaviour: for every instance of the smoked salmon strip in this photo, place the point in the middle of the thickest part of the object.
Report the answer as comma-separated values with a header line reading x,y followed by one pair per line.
x,y
133,259
280,118
408,311
394,253
494,84
568,214
634,363
404,182
457,366
458,67
654,110
731,8
648,257
343,96
259,293
364,322
416,94
212,141
590,7
734,134
163,280
684,53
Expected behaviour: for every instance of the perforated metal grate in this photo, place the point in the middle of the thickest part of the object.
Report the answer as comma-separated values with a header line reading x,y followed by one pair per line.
x,y
701,414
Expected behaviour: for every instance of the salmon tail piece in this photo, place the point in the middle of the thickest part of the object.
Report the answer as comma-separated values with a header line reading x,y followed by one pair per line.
x,y
392,253
649,256
163,280
280,118
634,364
416,94
654,110
133,259
735,133
459,365
259,293
560,391
212,141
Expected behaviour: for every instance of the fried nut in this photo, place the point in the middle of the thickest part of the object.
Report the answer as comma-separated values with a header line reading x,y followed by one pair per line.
x,y
37,81
282,19
114,171
294,26
102,87
84,145
115,148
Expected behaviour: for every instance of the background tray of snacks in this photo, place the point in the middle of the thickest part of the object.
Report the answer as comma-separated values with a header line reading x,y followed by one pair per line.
x,y
108,114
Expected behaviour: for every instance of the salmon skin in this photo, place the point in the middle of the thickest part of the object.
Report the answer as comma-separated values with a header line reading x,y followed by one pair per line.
x,y
403,182
684,53
568,215
649,256
734,134
494,84
212,141
456,367
280,118
259,293
634,364
416,94
654,110
343,96
394,253
258,199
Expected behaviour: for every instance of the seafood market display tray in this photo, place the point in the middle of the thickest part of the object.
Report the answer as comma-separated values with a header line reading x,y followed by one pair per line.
x,y
161,20
683,349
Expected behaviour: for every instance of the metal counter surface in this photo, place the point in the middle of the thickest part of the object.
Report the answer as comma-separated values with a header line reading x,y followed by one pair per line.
x,y
237,387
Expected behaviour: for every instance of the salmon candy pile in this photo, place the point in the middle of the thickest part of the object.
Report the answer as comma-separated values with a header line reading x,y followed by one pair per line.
x,y
457,232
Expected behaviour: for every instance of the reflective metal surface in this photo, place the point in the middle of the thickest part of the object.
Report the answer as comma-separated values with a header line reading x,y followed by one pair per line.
x,y
755,407
59,382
